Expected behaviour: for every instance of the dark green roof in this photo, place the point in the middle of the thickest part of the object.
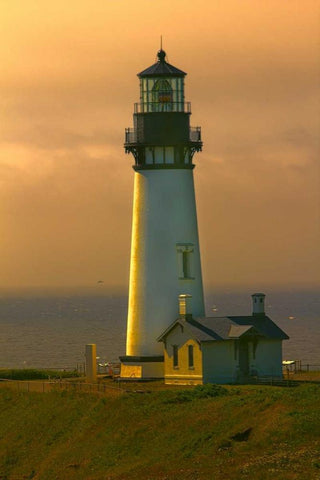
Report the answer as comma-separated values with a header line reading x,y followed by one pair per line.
x,y
227,328
161,68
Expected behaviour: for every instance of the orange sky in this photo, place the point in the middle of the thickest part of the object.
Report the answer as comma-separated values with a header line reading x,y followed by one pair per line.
x,y
67,87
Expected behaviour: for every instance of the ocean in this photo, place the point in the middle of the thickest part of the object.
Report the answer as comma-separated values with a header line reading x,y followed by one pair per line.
x,y
50,331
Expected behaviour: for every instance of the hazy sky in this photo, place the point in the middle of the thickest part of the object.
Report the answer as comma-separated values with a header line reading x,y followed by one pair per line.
x,y
67,87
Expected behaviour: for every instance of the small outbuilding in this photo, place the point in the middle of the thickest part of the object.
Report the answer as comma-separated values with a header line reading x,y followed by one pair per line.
x,y
232,349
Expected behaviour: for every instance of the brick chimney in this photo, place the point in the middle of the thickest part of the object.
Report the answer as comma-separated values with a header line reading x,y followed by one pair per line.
x,y
258,304
185,305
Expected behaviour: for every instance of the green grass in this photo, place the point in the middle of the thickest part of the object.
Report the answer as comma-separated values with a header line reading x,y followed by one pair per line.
x,y
209,432
34,374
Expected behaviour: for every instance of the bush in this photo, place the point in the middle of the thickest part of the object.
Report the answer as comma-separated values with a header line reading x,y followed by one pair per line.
x,y
200,391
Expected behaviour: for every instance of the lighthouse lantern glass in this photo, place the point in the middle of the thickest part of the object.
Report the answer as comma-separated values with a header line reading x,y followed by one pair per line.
x,y
162,94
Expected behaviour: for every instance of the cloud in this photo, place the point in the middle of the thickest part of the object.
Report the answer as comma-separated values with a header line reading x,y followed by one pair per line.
x,y
68,83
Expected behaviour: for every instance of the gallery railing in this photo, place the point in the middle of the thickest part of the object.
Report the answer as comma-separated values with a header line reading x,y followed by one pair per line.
x,y
151,107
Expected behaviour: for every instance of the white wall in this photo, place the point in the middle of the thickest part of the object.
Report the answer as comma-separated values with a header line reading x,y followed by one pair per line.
x,y
268,359
219,364
164,214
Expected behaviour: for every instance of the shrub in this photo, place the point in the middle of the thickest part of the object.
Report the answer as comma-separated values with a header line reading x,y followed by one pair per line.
x,y
200,391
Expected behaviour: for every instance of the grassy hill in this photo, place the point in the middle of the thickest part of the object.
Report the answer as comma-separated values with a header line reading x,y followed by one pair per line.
x,y
237,432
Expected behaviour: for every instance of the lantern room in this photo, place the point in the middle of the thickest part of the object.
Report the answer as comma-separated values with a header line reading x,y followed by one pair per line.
x,y
162,87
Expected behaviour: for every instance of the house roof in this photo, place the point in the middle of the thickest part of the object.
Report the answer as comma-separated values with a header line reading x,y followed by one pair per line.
x,y
236,331
161,68
227,328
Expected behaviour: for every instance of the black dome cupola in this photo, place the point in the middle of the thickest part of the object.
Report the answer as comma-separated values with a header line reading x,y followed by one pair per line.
x,y
161,55
161,67
162,137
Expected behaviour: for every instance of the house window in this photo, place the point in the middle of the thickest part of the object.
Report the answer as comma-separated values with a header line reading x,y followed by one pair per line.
x,y
190,356
175,356
185,261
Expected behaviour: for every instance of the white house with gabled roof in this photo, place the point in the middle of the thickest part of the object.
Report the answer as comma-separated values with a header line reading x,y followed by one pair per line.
x,y
231,349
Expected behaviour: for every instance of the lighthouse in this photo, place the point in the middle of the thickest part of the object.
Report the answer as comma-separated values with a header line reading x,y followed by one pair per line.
x,y
165,252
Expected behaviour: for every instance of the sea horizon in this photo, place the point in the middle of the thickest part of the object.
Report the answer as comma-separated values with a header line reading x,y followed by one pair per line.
x,y
48,327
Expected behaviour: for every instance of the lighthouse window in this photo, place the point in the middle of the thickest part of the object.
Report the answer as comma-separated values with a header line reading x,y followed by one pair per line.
x,y
185,261
149,156
186,264
168,155
159,154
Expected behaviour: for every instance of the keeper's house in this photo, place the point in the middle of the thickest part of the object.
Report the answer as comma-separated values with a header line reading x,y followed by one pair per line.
x,y
222,349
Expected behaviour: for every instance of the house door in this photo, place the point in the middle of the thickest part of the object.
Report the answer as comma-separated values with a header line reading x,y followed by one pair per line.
x,y
243,357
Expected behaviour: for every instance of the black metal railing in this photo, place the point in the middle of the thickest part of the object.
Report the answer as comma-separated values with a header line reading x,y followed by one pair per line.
x,y
195,134
130,135
152,107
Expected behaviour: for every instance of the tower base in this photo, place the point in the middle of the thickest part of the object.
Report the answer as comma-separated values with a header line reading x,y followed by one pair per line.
x,y
142,368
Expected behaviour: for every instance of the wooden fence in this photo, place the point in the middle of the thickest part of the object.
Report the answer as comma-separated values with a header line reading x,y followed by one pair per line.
x,y
47,386
296,366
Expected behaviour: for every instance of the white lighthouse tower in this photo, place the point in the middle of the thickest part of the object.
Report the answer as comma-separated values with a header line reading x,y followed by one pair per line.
x,y
165,252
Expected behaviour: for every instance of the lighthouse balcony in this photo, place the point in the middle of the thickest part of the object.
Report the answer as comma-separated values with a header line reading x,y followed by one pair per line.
x,y
162,106
133,137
